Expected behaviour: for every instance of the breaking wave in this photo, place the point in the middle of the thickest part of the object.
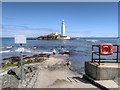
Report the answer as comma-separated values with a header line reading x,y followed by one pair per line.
x,y
92,40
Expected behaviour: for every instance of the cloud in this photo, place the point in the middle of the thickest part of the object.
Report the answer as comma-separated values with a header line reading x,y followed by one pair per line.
x,y
12,30
77,34
91,34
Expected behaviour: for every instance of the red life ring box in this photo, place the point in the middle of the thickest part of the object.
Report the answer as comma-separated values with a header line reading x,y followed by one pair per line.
x,y
106,49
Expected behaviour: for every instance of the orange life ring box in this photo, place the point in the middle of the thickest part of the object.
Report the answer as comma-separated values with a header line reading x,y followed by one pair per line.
x,y
106,49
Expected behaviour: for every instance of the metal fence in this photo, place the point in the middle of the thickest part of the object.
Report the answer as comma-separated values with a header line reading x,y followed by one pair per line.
x,y
99,59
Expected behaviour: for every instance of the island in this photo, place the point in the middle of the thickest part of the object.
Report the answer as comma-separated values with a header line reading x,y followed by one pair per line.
x,y
54,36
51,36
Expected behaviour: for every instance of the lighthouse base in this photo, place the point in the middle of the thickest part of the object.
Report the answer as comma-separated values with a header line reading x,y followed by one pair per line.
x,y
64,38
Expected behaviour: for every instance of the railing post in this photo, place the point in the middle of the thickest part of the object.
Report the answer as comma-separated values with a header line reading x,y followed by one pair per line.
x,y
92,53
117,53
99,55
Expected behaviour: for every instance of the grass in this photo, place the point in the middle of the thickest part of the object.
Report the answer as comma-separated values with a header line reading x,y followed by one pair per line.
x,y
7,66
73,39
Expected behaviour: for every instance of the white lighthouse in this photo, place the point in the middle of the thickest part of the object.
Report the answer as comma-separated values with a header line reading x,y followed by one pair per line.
x,y
63,28
63,35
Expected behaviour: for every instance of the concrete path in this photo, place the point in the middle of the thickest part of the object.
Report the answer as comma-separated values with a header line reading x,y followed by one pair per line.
x,y
54,73
103,84
108,84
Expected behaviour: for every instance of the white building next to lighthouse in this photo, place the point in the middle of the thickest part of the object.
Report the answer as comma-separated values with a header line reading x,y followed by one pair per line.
x,y
63,34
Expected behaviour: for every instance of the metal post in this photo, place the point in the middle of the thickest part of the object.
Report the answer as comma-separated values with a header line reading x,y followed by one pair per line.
x,y
99,55
21,39
21,63
117,53
92,53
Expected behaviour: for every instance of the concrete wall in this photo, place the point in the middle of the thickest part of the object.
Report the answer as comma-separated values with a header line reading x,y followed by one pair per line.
x,y
90,70
101,73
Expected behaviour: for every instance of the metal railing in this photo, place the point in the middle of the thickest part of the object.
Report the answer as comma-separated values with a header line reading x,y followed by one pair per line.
x,y
99,55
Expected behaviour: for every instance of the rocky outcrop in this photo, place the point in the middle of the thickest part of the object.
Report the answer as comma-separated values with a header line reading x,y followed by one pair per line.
x,y
27,59
13,77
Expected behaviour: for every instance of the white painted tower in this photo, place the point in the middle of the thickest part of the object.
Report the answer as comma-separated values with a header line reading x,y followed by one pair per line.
x,y
63,28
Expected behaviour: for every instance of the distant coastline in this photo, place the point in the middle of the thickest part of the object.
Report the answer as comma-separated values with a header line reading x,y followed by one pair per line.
x,y
32,38
72,38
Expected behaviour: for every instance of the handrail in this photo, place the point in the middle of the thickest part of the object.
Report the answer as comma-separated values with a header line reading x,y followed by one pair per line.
x,y
98,53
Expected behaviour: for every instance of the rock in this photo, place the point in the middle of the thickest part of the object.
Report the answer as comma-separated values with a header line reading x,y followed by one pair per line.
x,y
58,83
26,70
18,72
60,65
11,72
28,59
30,69
13,76
9,81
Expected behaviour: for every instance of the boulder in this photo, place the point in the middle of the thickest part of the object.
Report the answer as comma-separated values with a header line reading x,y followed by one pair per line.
x,y
9,81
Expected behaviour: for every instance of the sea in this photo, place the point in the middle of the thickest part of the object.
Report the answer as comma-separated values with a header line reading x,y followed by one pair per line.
x,y
80,48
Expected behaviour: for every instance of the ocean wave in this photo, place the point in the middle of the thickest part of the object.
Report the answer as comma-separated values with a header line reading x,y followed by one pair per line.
x,y
25,50
42,52
9,47
17,50
92,40
6,51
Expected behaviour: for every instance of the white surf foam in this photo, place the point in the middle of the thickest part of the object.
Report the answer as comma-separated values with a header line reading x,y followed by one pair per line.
x,y
92,40
6,51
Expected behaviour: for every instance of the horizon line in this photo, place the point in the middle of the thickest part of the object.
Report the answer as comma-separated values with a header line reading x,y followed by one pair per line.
x,y
74,37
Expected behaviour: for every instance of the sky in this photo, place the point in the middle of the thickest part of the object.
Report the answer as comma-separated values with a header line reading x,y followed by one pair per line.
x,y
82,19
